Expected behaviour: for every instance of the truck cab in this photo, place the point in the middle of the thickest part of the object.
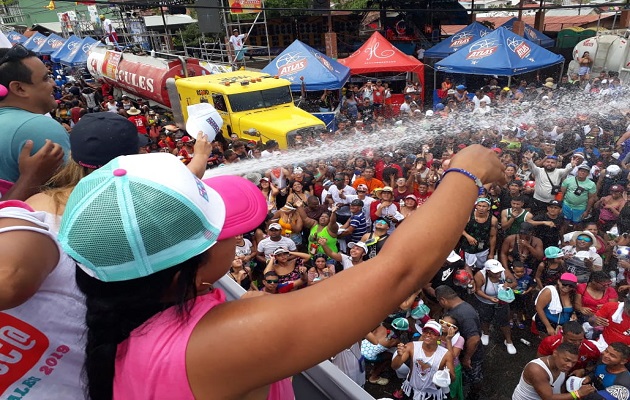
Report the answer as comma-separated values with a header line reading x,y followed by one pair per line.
x,y
254,105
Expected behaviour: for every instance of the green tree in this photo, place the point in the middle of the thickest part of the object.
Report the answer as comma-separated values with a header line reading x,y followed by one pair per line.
x,y
190,34
355,4
299,5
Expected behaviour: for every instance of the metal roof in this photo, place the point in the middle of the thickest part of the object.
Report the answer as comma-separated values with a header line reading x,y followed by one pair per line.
x,y
552,24
151,21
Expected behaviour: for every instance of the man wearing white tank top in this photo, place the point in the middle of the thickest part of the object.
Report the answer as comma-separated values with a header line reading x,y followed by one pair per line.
x,y
424,358
543,378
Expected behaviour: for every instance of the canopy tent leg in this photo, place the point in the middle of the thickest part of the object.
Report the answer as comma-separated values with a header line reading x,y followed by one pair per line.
x,y
561,73
434,80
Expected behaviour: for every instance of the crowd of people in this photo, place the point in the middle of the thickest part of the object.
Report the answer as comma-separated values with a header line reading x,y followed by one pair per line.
x,y
544,245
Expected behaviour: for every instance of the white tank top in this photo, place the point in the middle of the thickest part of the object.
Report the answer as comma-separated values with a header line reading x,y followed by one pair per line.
x,y
42,341
420,379
490,288
525,391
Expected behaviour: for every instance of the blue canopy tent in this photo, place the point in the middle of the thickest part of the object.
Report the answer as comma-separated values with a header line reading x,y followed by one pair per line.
x,y
50,45
77,57
460,39
67,47
34,41
532,34
319,71
501,52
15,37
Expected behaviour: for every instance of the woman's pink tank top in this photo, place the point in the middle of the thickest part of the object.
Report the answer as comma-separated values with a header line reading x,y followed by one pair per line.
x,y
151,363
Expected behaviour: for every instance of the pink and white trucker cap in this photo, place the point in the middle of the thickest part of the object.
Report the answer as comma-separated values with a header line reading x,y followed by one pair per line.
x,y
144,213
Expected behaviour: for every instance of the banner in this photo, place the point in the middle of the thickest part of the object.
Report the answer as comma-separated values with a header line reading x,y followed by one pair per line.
x,y
66,19
93,11
245,6
110,64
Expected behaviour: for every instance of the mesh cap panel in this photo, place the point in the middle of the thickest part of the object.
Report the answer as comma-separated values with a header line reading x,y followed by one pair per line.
x,y
174,224
105,240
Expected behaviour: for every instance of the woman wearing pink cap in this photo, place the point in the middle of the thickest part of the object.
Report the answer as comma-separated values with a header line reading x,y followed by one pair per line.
x,y
156,327
555,305
409,206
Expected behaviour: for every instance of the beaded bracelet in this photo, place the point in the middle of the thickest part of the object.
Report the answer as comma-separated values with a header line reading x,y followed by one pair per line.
x,y
468,174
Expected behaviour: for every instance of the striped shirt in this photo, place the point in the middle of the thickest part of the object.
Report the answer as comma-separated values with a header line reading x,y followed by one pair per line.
x,y
359,222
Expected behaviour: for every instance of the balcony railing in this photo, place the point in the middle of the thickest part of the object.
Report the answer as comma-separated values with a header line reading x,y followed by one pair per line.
x,y
10,13
11,19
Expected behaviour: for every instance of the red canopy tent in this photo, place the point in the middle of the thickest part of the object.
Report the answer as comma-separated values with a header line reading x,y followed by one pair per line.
x,y
378,55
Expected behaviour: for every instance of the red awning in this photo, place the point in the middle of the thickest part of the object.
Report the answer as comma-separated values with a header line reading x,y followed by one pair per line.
x,y
379,55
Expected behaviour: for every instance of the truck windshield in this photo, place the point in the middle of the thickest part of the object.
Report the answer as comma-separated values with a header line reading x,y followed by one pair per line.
x,y
260,99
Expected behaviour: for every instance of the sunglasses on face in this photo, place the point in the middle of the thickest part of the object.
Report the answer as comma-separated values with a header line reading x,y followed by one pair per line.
x,y
16,52
272,282
584,238
447,324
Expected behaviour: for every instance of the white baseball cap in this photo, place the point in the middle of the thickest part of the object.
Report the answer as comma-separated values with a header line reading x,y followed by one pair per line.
x,y
360,244
574,383
493,266
434,326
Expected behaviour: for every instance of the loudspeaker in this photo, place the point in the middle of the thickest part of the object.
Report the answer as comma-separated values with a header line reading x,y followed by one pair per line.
x,y
209,18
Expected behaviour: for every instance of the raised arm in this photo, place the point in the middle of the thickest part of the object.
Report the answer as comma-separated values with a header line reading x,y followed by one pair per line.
x,y
306,220
403,353
413,254
35,170
506,222
333,227
328,251
202,150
